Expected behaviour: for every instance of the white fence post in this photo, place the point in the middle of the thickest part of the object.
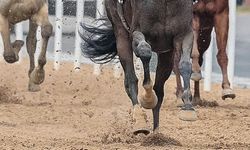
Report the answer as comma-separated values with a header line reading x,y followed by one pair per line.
x,y
231,40
79,15
58,33
99,13
209,64
19,36
1,48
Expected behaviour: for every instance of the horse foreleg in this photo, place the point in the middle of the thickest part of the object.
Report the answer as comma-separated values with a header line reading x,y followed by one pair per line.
x,y
185,44
221,29
131,82
143,50
38,74
31,48
163,71
10,50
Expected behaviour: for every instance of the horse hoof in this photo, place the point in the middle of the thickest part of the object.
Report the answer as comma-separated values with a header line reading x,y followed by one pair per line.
x,y
37,76
10,58
141,131
228,93
140,121
196,76
188,113
149,102
33,87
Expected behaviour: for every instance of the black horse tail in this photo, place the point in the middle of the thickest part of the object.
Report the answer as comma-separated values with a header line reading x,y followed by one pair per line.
x,y
99,43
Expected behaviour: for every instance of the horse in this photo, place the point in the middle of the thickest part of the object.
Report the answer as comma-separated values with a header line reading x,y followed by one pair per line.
x,y
141,27
14,11
208,14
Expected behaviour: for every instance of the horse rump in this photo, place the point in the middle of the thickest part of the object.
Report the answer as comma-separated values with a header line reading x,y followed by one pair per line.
x,y
99,43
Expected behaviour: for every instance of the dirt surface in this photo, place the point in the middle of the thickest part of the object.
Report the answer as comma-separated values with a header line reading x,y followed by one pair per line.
x,y
78,111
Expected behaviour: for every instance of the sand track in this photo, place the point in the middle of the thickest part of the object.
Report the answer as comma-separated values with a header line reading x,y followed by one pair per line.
x,y
80,111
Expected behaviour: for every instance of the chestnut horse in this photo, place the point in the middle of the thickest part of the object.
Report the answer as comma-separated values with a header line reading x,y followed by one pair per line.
x,y
14,11
208,14
144,26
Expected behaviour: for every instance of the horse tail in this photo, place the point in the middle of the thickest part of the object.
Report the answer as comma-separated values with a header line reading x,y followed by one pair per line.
x,y
99,43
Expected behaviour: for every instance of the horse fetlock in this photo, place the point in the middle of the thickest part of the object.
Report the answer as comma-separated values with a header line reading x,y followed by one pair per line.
x,y
42,61
149,100
187,97
18,44
196,76
37,76
196,101
140,121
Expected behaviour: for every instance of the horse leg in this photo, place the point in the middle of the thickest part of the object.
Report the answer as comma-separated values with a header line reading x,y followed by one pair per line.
x,y
184,45
179,89
164,69
31,48
10,50
203,42
221,29
196,69
143,50
131,82
41,19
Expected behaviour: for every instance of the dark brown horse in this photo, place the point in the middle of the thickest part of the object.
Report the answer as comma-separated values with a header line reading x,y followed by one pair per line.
x,y
14,11
144,26
209,14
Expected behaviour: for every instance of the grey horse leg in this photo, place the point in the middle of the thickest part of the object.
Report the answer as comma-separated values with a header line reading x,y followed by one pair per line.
x,y
38,74
144,51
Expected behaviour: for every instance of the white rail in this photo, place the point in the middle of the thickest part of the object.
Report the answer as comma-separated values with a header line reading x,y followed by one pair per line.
x,y
58,33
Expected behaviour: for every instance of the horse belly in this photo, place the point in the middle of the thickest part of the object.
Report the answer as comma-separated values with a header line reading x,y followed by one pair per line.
x,y
23,10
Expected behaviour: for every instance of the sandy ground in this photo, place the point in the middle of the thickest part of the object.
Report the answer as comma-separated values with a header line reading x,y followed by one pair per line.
x,y
78,111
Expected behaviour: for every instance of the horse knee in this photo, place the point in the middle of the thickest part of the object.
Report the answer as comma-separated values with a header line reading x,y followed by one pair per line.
x,y
47,30
143,51
141,48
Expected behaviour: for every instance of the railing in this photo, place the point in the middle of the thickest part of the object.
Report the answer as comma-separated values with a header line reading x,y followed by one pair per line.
x,y
99,13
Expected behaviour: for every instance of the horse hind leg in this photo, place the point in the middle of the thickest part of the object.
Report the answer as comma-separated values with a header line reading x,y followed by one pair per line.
x,y
41,18
11,50
143,50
